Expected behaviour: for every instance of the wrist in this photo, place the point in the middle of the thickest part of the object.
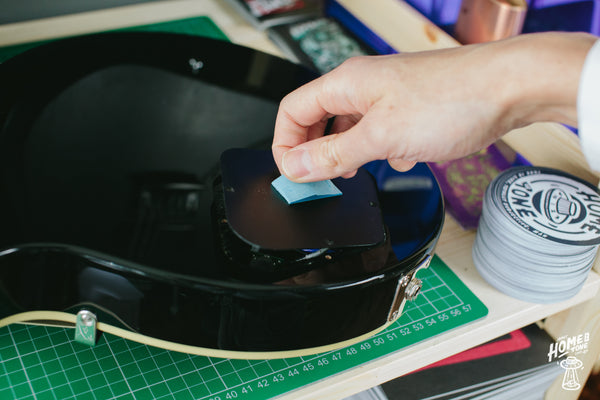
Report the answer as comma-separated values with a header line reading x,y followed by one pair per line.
x,y
541,76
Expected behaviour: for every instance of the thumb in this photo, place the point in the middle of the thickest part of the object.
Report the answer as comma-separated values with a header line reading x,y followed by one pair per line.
x,y
401,165
328,157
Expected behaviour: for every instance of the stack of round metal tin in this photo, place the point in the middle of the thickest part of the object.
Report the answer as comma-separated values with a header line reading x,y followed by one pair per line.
x,y
538,234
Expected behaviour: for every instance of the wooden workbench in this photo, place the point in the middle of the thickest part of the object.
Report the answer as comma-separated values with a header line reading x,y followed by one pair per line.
x,y
543,144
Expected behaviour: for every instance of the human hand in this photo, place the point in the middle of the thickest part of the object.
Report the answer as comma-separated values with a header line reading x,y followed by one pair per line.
x,y
430,106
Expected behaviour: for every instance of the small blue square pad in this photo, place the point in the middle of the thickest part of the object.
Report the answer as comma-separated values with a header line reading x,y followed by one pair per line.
x,y
294,192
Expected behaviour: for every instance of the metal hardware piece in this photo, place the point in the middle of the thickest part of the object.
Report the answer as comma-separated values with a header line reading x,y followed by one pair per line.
x,y
413,288
408,288
85,327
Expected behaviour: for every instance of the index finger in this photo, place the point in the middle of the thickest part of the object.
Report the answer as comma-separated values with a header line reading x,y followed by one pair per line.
x,y
299,118
303,113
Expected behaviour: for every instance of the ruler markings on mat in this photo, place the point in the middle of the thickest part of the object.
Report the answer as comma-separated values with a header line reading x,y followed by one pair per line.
x,y
38,362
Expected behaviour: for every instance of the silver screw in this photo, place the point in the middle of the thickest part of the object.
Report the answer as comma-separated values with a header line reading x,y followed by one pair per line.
x,y
87,318
196,65
404,281
413,288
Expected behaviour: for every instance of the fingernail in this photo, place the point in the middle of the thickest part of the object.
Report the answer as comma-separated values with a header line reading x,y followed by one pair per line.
x,y
296,163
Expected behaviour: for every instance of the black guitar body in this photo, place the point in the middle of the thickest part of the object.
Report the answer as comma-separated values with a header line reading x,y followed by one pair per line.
x,y
109,170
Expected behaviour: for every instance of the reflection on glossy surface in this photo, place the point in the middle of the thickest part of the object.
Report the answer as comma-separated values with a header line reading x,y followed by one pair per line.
x,y
107,161
412,205
345,268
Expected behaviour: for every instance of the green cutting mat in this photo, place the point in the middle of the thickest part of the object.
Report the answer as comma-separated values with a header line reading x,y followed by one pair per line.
x,y
46,363
202,26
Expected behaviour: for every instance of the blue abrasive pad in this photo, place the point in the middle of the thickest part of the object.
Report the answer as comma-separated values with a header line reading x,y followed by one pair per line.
x,y
294,192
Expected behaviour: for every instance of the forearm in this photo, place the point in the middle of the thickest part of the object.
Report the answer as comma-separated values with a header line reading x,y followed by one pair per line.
x,y
538,76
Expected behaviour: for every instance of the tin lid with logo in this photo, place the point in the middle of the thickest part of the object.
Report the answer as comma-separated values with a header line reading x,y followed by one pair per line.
x,y
547,204
538,234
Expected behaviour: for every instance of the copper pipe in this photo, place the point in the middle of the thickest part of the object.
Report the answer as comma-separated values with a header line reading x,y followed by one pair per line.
x,y
486,20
